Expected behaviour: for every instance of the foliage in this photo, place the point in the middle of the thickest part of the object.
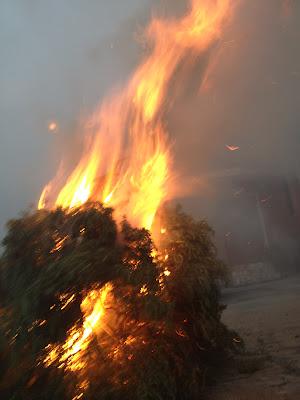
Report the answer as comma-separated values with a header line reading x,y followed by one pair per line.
x,y
163,337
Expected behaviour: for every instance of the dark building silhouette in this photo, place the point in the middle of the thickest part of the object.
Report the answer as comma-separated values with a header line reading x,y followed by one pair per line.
x,y
257,223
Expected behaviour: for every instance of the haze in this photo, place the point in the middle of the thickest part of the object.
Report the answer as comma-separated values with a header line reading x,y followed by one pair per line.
x,y
59,58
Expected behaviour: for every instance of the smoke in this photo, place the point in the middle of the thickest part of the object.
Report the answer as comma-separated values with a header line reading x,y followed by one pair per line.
x,y
60,58
245,94
248,97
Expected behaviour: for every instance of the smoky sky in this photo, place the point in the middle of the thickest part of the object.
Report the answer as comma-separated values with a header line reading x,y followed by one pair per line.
x,y
249,98
59,59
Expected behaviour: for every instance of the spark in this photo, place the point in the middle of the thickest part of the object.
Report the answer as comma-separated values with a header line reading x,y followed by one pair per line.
x,y
232,148
52,126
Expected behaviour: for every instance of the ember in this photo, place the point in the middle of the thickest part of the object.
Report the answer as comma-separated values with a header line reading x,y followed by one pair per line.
x,y
52,127
232,148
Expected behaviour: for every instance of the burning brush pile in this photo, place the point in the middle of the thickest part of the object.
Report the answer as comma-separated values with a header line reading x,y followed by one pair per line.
x,y
96,312
101,306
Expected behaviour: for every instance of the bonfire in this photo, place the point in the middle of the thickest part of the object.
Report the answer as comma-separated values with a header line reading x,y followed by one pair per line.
x,y
112,294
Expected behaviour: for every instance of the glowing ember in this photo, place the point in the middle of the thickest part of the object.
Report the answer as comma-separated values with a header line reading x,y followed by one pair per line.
x,y
59,244
52,127
66,300
232,148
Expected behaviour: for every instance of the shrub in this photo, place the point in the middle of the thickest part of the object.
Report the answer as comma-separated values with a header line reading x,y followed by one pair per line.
x,y
160,334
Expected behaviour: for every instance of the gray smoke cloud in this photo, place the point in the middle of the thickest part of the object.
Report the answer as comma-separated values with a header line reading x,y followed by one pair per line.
x,y
59,58
250,98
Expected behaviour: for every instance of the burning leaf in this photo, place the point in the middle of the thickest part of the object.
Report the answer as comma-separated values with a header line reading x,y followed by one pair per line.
x,y
232,148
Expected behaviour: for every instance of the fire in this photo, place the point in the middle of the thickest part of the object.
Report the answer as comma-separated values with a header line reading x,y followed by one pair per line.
x,y
69,355
42,200
126,143
126,162
79,186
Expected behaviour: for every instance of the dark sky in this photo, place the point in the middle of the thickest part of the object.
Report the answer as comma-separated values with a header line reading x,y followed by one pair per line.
x,y
59,58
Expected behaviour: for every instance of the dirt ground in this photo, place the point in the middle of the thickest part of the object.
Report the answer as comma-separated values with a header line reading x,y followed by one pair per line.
x,y
267,316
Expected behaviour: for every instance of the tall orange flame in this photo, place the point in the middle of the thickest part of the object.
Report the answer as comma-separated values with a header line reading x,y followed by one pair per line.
x,y
130,123
126,160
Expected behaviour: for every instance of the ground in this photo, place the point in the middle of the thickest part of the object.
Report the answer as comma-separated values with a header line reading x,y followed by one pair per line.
x,y
267,316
